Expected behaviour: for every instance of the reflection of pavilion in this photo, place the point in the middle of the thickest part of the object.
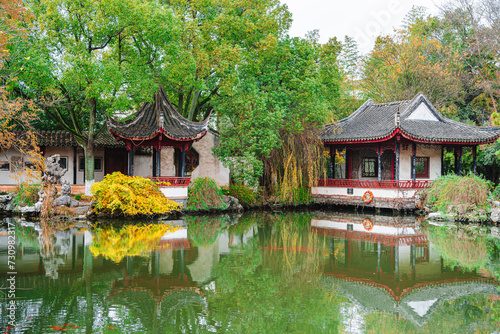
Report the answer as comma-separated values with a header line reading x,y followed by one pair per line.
x,y
392,267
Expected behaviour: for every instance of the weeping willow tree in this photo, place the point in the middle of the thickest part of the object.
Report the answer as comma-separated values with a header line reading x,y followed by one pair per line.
x,y
269,120
296,166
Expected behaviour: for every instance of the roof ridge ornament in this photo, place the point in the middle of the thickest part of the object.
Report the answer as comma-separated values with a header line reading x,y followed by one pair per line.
x,y
397,118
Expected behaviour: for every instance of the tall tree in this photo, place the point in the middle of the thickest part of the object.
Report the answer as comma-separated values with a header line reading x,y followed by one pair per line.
x,y
287,87
15,113
87,58
216,36
409,62
475,27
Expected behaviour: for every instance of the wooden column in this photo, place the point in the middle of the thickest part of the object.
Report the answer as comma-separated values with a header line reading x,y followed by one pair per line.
x,y
442,159
154,163
348,163
396,176
332,162
379,157
158,162
459,168
474,161
131,162
182,163
414,161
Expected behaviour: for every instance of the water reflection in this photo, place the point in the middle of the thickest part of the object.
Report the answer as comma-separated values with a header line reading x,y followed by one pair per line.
x,y
256,273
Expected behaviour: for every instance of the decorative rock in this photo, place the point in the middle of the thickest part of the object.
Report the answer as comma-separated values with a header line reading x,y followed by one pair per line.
x,y
5,198
495,204
232,202
495,215
435,215
27,209
65,188
66,201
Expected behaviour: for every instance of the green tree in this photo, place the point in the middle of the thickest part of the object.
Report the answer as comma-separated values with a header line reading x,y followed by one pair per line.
x,y
411,61
288,86
86,59
216,36
16,114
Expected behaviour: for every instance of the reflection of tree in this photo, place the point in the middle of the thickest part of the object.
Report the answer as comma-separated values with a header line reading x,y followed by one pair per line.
x,y
115,243
460,247
274,289
203,231
27,236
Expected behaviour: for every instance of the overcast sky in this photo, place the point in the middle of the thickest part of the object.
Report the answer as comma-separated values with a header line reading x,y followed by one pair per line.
x,y
363,20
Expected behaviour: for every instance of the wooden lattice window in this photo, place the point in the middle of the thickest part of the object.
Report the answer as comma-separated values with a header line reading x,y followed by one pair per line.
x,y
422,167
369,167
4,165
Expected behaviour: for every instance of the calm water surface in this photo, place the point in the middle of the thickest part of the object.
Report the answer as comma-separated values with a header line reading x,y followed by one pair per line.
x,y
257,273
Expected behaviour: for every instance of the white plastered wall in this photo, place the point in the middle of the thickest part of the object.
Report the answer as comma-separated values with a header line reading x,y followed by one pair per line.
x,y
431,151
98,174
143,165
167,162
8,177
210,165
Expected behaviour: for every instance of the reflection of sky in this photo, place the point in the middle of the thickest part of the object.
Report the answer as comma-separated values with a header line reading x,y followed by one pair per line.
x,y
352,318
421,307
179,234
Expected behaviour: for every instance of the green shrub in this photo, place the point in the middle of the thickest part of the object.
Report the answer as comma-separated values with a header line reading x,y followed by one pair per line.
x,y
244,194
468,192
78,197
26,194
205,194
495,194
203,231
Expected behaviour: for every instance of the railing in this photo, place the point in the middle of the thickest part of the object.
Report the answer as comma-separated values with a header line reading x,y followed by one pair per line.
x,y
170,181
407,184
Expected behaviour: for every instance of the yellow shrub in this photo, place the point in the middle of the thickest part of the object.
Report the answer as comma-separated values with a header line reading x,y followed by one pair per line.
x,y
130,195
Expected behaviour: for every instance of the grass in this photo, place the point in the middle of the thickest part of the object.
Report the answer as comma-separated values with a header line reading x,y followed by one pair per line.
x,y
459,194
205,194
26,194
245,195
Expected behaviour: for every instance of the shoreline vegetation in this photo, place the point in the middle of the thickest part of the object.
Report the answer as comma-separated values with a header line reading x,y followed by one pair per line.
x,y
462,199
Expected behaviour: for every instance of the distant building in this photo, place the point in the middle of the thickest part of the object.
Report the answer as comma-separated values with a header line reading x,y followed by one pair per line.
x,y
390,151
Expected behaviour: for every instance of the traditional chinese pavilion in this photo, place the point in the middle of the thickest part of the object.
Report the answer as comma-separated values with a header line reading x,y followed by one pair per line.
x,y
390,151
158,125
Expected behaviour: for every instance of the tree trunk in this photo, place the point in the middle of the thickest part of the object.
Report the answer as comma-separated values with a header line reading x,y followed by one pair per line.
x,y
89,149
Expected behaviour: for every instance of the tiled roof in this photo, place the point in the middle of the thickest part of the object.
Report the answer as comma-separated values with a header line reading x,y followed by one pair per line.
x,y
156,118
374,121
65,138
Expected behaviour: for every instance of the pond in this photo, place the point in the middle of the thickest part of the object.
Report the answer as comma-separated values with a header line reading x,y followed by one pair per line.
x,y
326,272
